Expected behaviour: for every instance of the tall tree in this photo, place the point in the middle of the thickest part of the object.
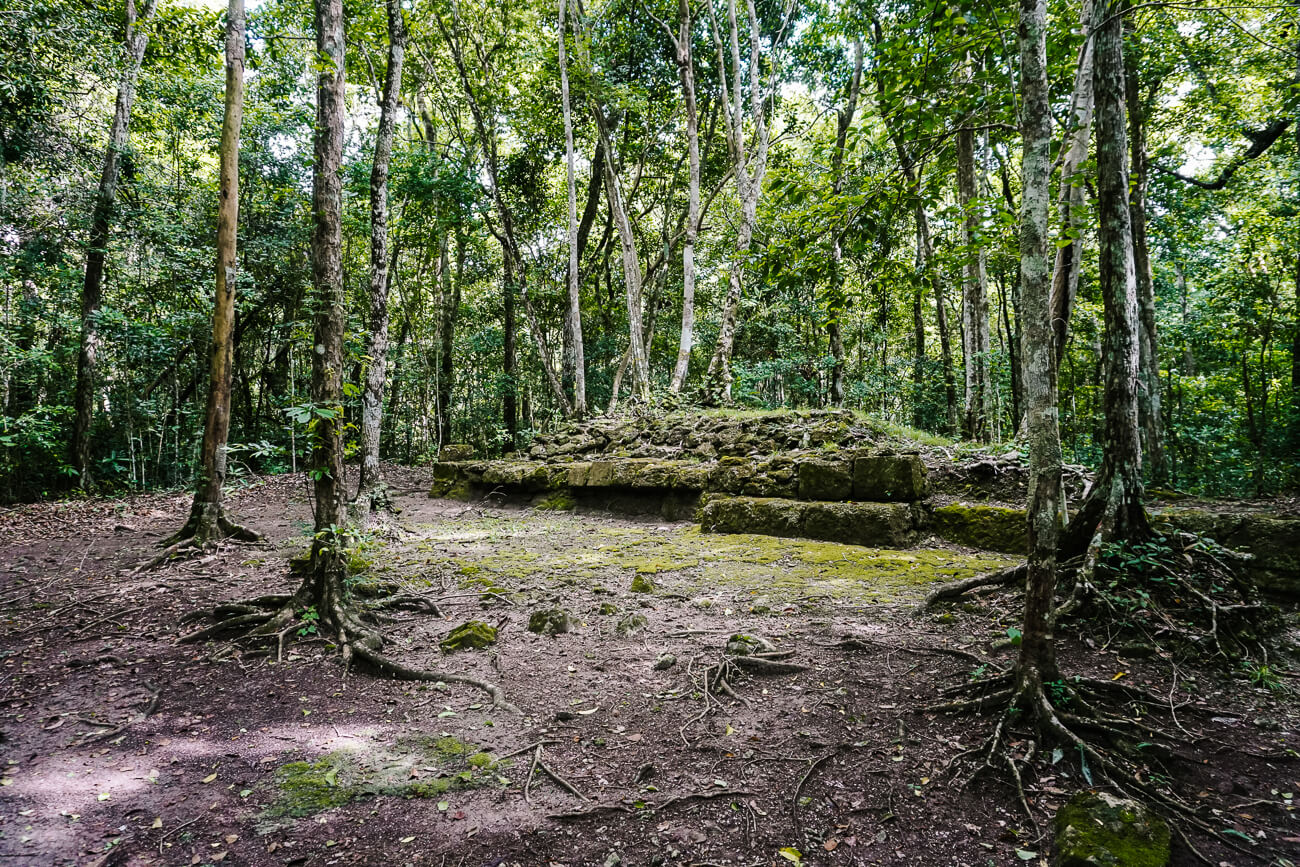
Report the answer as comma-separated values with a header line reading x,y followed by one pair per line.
x,y
1036,664
834,328
92,292
371,482
749,158
1070,197
324,586
974,296
575,360
1114,507
207,520
686,71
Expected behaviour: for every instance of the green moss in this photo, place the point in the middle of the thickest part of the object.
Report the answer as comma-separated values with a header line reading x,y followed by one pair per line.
x,y
557,501
310,787
643,584
470,635
1098,830
990,528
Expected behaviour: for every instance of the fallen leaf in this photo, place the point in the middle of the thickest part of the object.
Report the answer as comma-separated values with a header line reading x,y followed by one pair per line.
x,y
407,839
157,823
1026,855
831,844
209,778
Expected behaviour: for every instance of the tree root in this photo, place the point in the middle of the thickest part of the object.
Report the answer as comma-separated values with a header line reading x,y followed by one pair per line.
x,y
954,589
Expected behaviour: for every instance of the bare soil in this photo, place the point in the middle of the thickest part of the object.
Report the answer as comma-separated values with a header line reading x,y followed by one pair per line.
x,y
120,747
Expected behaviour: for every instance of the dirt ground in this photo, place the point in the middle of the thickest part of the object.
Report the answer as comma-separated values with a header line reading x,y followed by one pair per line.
x,y
121,747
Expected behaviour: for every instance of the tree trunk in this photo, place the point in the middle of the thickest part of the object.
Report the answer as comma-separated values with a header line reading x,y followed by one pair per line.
x,y
207,520
975,301
686,70
1036,664
447,335
1070,198
371,481
97,251
1148,344
1114,507
836,301
750,163
324,586
510,396
574,355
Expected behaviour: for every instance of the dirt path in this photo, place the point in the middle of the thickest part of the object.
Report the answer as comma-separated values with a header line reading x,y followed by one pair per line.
x,y
121,747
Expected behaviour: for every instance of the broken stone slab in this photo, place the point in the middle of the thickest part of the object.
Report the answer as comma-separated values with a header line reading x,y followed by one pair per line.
x,y
825,480
1097,829
886,478
529,476
1273,542
456,452
989,528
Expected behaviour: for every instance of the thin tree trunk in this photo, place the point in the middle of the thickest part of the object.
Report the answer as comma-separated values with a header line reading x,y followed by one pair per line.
x,y
1149,349
447,334
686,70
574,355
207,520
92,290
1036,664
1114,507
371,481
836,300
1070,198
750,169
975,301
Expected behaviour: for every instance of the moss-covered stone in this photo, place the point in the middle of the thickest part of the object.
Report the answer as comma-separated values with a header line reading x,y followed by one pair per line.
x,y
471,635
989,528
561,500
446,476
643,583
456,452
550,621
889,478
630,624
1273,542
762,515
1096,829
306,788
825,480
879,525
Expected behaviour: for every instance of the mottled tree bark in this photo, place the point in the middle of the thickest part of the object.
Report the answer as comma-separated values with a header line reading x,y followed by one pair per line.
x,y
574,355
974,298
1148,345
371,482
836,300
207,520
750,161
1114,508
686,71
1070,199
1036,664
92,290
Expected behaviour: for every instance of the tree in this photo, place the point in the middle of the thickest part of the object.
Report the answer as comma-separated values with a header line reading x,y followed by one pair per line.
x,y
835,332
749,158
370,483
207,521
573,313
686,70
974,296
1114,508
92,292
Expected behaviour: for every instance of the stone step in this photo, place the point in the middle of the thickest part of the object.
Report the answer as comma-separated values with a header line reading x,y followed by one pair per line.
x,y
875,525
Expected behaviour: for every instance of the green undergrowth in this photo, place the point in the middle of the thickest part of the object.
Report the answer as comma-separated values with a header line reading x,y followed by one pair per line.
x,y
415,766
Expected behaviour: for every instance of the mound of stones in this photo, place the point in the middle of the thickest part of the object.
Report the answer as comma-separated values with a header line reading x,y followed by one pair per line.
x,y
825,475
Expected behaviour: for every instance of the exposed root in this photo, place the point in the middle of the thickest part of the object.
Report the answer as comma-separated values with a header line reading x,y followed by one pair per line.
x,y
402,672
199,536
953,589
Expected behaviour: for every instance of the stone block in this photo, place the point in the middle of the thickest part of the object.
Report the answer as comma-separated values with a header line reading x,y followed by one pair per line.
x,y
825,480
889,478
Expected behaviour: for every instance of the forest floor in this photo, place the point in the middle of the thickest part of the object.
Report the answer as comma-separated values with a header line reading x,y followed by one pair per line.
x,y
121,747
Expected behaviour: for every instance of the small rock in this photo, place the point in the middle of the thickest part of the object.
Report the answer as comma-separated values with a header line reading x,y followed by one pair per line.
x,y
550,621
702,602
471,635
630,624
665,662
1096,829
643,584
1268,724
760,606
607,608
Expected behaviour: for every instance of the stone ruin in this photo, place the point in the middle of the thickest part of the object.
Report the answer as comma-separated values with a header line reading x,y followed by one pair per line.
x,y
829,475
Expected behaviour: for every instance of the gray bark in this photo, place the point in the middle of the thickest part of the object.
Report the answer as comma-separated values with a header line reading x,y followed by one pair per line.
x,y
575,355
372,395
97,250
686,70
